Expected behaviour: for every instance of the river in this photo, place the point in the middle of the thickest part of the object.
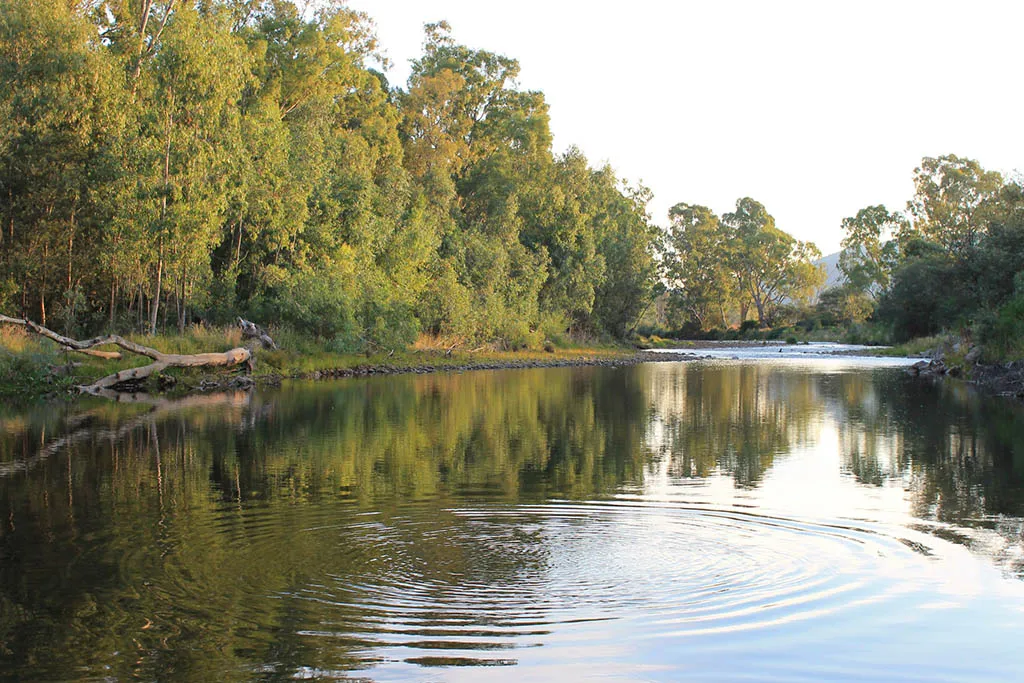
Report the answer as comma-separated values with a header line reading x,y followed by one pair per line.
x,y
758,515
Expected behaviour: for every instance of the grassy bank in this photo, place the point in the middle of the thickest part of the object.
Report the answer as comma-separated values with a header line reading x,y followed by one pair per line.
x,y
32,367
864,333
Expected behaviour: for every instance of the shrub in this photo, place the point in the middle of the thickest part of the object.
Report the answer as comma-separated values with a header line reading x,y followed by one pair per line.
x,y
1003,333
554,327
390,326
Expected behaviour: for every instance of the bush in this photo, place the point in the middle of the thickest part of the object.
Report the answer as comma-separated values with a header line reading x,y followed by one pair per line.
x,y
390,326
748,325
320,303
1002,334
32,373
555,329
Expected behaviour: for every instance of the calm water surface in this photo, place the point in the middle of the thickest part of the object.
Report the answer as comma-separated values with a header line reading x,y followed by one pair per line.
x,y
791,518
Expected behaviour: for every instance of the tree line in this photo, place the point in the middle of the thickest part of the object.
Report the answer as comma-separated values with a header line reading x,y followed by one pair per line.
x,y
167,161
953,261
717,268
164,162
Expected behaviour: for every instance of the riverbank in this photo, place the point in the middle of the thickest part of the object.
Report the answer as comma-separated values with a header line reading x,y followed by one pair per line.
x,y
949,356
33,369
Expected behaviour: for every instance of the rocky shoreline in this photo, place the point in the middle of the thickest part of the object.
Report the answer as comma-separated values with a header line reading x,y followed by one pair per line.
x,y
242,382
581,361
999,379
1006,379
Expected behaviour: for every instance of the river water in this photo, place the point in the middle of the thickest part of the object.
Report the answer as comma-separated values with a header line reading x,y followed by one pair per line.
x,y
750,517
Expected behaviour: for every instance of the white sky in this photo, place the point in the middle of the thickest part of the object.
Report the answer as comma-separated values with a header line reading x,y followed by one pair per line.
x,y
815,109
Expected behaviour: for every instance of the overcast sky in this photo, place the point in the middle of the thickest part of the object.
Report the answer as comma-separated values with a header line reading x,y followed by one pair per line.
x,y
815,109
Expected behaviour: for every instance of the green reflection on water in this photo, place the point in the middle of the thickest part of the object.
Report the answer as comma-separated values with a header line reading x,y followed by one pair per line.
x,y
196,540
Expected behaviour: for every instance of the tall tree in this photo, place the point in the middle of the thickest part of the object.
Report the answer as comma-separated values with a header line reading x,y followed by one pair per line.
x,y
954,201
697,257
869,248
194,83
770,266
60,114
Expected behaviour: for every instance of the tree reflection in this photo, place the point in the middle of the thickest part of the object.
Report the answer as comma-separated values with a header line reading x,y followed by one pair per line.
x,y
731,418
185,537
199,539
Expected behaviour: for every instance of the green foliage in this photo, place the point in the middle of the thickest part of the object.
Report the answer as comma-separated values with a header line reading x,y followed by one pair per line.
x,y
1003,332
165,162
950,267
322,302
923,299
844,305
741,260
954,201
697,265
869,248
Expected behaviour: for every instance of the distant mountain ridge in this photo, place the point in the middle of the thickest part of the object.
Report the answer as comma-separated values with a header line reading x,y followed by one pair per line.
x,y
835,276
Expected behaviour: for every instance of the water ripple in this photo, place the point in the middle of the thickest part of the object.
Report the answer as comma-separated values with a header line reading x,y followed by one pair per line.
x,y
476,582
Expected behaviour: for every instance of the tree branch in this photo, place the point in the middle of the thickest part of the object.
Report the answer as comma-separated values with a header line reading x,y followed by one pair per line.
x,y
161,360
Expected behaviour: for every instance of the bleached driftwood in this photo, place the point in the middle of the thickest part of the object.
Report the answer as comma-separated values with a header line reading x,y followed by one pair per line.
x,y
160,362
255,332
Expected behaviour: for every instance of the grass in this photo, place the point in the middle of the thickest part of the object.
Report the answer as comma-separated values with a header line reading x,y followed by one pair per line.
x,y
912,348
30,366
33,367
866,334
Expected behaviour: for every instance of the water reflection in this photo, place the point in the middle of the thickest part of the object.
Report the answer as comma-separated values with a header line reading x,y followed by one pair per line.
x,y
384,525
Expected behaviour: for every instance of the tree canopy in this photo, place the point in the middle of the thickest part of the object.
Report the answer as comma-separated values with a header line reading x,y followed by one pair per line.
x,y
952,263
738,260
169,161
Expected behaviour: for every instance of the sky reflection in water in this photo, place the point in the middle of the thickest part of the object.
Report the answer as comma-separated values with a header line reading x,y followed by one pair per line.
x,y
723,520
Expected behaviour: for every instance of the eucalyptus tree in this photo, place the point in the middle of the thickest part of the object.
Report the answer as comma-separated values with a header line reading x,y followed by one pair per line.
x,y
60,116
770,266
697,263
188,119
869,248
954,201
627,240
242,156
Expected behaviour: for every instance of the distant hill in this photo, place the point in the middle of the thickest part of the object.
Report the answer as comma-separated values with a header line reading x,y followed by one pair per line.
x,y
831,263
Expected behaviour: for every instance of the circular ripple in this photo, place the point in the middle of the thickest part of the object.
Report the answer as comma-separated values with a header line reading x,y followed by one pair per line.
x,y
479,583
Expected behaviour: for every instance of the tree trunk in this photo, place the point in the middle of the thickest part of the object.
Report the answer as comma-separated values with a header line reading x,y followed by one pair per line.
x,y
71,246
181,299
113,300
238,247
42,290
154,304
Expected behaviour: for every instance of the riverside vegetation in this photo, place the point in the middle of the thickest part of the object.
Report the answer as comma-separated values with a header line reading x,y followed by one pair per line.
x,y
945,277
166,166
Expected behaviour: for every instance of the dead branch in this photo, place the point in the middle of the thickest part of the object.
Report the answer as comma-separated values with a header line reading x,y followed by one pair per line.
x,y
65,342
254,331
160,362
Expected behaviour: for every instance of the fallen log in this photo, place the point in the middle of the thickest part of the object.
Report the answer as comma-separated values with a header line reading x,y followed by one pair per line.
x,y
169,360
161,361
